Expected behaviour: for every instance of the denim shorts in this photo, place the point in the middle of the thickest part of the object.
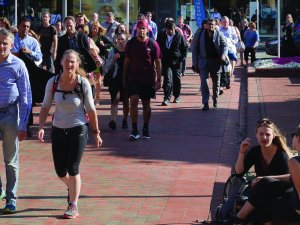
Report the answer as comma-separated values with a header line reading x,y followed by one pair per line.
x,y
232,56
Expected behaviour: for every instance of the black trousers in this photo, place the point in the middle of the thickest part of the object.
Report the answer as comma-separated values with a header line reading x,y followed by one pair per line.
x,y
252,51
183,66
271,199
224,80
172,81
68,146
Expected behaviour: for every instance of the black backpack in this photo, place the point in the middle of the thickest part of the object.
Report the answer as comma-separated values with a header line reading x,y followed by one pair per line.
x,y
236,192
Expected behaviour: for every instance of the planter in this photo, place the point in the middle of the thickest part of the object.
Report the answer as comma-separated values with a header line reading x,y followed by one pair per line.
x,y
277,67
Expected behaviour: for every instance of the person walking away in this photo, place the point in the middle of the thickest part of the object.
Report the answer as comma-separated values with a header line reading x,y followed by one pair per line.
x,y
15,106
251,42
174,49
48,40
114,63
72,94
187,34
141,76
209,51
288,41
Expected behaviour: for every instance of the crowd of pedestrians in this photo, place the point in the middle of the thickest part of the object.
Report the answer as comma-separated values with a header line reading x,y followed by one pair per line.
x,y
77,53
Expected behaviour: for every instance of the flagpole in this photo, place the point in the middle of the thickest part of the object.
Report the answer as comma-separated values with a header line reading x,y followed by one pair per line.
x,y
16,12
127,14
278,27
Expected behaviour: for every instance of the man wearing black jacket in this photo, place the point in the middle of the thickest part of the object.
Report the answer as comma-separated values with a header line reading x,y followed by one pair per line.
x,y
174,49
77,41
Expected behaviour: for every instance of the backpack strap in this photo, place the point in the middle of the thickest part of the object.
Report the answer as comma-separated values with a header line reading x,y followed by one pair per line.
x,y
109,27
150,44
55,84
81,90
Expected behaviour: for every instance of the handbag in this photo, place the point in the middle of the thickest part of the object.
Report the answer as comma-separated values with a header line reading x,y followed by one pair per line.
x,y
109,76
240,46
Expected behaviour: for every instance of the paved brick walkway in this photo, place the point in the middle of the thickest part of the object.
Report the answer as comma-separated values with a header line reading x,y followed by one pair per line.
x,y
173,178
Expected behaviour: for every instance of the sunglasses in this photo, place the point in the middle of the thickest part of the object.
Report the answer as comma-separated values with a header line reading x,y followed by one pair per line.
x,y
264,121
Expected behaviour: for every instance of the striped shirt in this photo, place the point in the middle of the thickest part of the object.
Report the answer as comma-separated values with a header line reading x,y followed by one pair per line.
x,y
15,88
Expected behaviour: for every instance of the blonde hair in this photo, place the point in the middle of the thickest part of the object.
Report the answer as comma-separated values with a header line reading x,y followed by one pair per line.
x,y
79,70
85,28
102,30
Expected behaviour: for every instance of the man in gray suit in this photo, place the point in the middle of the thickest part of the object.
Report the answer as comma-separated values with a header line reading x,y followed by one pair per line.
x,y
209,51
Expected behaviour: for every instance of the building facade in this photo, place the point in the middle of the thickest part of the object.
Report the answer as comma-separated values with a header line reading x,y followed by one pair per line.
x,y
268,10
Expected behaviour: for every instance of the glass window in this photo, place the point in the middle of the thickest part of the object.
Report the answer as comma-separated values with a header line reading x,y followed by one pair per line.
x,y
33,9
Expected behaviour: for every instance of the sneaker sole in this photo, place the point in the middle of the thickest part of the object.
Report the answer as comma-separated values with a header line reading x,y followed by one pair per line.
x,y
145,137
71,217
8,211
133,138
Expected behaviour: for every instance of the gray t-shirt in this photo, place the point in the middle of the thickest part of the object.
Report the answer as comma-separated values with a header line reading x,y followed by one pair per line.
x,y
110,28
69,111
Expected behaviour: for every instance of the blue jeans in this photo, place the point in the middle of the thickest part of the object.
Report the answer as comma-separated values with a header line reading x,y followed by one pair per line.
x,y
9,121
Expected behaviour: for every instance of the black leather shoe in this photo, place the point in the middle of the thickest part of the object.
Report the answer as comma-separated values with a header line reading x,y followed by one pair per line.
x,y
205,107
215,104
112,125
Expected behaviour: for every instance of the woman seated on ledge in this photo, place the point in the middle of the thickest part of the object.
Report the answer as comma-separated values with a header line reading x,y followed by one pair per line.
x,y
270,157
274,199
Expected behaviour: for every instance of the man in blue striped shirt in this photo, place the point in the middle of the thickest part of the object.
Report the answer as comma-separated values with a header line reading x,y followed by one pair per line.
x,y
15,106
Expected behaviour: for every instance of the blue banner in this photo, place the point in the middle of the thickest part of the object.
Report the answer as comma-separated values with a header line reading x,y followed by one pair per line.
x,y
3,2
199,12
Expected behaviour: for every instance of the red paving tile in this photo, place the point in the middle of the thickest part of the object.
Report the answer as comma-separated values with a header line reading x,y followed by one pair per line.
x,y
176,177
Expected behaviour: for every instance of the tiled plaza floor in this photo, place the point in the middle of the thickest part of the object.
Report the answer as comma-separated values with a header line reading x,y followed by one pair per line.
x,y
176,177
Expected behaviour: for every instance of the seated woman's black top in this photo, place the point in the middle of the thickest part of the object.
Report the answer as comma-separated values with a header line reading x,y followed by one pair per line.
x,y
294,198
277,166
